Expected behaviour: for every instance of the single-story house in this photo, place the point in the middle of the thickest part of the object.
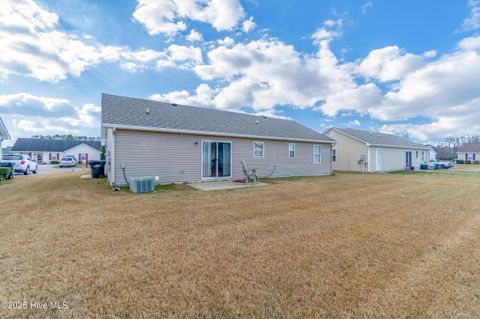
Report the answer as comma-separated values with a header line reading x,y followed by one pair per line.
x,y
364,151
469,152
4,135
433,153
179,143
47,150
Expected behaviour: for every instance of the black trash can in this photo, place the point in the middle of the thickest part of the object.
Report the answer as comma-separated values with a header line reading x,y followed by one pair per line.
x,y
97,168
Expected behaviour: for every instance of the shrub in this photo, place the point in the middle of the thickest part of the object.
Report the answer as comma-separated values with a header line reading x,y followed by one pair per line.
x,y
468,162
460,161
54,162
5,172
475,162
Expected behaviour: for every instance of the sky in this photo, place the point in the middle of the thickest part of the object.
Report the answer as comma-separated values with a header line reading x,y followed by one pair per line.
x,y
408,67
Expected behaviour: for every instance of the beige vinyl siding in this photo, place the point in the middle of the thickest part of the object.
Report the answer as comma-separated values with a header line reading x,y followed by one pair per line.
x,y
176,157
462,156
393,159
348,152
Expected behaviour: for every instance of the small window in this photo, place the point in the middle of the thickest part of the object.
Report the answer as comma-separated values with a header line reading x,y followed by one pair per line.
x,y
291,150
334,155
317,154
258,149
83,156
416,154
423,156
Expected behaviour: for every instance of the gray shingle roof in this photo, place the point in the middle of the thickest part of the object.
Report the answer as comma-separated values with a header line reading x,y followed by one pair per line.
x,y
126,111
375,138
3,131
47,145
469,147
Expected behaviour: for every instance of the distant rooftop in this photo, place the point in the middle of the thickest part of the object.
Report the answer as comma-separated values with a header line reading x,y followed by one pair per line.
x,y
50,145
118,111
469,147
376,138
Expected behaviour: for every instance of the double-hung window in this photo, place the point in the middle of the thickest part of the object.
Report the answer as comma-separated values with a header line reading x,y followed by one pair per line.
x,y
291,150
258,149
317,154
334,155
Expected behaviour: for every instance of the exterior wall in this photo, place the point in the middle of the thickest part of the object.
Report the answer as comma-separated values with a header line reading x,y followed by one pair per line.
x,y
348,152
93,154
176,157
1,150
393,159
463,156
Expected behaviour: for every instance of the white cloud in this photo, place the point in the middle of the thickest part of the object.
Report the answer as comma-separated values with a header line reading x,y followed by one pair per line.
x,y
470,43
167,16
203,96
248,25
389,64
367,5
267,73
194,36
473,20
32,46
331,29
29,114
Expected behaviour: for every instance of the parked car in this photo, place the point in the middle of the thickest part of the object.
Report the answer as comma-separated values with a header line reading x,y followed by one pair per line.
x,y
441,165
21,163
68,161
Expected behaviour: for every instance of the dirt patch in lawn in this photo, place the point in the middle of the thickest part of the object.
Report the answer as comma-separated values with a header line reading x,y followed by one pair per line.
x,y
349,245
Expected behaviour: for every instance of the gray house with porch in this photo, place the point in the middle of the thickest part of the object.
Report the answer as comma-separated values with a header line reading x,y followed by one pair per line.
x,y
179,143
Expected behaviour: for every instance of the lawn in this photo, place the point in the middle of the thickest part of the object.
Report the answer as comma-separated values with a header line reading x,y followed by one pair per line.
x,y
349,245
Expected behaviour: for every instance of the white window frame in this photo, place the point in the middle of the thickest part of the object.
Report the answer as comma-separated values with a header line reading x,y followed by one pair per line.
x,y
334,155
263,149
293,149
319,153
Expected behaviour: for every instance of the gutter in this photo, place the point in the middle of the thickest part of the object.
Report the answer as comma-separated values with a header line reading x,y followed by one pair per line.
x,y
194,132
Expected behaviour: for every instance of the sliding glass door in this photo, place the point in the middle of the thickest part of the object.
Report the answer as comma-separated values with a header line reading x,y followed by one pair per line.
x,y
216,159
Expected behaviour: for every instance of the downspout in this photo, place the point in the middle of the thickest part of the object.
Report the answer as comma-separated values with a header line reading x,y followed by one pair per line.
x,y
368,158
112,158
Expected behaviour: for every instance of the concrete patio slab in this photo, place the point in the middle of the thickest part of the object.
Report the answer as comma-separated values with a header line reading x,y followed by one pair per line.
x,y
213,186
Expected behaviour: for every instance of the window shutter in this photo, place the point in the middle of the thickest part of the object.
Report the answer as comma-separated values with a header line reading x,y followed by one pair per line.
x,y
58,156
49,156
86,159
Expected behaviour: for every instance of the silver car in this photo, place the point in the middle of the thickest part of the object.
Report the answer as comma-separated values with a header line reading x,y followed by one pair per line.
x,y
68,161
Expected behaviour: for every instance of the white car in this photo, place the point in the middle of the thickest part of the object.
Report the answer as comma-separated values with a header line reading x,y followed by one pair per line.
x,y
68,161
21,163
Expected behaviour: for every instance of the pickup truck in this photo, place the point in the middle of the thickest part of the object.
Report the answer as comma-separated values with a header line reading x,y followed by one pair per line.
x,y
21,163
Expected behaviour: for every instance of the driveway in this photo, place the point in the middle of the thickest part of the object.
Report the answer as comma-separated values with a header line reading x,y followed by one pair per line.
x,y
54,169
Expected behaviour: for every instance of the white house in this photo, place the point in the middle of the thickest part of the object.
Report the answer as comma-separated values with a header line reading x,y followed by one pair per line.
x,y
364,151
469,152
433,153
47,150
4,135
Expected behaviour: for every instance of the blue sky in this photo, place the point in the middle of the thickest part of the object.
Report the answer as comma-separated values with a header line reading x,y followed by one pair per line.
x,y
405,67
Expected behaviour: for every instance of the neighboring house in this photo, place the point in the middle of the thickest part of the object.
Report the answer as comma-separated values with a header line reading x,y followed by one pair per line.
x,y
4,135
433,153
47,150
178,143
363,151
469,152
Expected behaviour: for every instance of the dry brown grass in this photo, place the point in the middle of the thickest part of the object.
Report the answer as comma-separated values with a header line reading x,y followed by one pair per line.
x,y
351,246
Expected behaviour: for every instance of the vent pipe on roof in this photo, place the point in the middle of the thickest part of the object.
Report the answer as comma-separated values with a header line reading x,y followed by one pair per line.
x,y
256,122
147,111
